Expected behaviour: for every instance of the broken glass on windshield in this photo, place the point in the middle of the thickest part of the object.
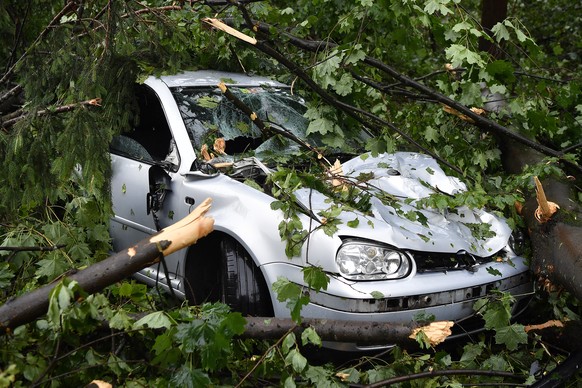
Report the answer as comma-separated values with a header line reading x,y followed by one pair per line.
x,y
208,115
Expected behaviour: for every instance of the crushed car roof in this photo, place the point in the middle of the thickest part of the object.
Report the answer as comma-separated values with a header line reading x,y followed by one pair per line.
x,y
212,78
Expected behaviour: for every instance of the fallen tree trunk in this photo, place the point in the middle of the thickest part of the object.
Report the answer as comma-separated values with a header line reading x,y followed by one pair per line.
x,y
360,332
185,232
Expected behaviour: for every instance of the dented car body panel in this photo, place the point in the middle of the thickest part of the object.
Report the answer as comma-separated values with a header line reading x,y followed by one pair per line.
x,y
433,264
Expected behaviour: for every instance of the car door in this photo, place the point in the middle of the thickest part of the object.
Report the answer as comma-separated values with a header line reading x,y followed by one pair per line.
x,y
144,187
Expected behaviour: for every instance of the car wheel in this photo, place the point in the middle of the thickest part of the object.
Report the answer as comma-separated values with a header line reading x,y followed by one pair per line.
x,y
219,269
243,285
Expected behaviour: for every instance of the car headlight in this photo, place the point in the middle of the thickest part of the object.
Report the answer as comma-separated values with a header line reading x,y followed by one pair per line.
x,y
369,261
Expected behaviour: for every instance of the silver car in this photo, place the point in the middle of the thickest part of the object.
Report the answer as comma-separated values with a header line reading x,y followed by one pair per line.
x,y
391,263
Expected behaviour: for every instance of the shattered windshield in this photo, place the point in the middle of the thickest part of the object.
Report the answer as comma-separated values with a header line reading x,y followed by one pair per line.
x,y
209,115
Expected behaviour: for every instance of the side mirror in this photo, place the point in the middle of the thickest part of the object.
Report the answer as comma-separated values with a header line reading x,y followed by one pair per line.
x,y
159,181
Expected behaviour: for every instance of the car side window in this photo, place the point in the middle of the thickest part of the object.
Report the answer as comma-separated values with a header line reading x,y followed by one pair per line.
x,y
150,139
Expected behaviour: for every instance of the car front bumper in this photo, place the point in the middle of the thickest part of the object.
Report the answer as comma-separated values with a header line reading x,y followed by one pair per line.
x,y
444,296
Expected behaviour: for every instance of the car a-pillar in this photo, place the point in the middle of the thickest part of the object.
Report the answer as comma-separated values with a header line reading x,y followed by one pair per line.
x,y
219,269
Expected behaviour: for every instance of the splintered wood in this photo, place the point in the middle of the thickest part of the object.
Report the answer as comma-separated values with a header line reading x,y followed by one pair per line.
x,y
436,332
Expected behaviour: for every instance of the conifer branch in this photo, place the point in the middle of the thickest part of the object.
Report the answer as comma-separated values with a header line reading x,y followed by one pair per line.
x,y
60,109
70,5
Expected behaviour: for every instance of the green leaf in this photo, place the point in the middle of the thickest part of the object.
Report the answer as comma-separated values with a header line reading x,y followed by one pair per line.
x,y
233,324
511,336
462,26
289,382
125,289
500,32
459,54
288,343
285,289
80,251
497,311
471,352
155,320
120,321
320,125
315,277
494,271
502,71
190,378
209,102
163,342
309,336
355,55
520,35
293,294
296,360
52,266
344,86
434,6
431,134
353,223
377,295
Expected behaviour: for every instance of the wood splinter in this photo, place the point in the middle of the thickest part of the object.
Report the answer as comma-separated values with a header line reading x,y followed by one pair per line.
x,y
546,209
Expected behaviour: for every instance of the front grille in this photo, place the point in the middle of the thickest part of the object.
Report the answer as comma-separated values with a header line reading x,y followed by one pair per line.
x,y
433,261
420,301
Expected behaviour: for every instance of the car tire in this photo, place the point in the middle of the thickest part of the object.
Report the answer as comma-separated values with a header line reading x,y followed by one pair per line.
x,y
219,269
243,286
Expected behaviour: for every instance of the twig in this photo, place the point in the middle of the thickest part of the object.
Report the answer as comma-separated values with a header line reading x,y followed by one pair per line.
x,y
571,148
260,361
33,249
540,77
50,365
12,92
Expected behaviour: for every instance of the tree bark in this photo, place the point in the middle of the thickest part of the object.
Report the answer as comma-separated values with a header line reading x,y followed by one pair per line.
x,y
492,12
360,332
185,232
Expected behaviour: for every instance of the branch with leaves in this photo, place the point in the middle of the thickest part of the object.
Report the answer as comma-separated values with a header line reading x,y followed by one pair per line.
x,y
316,45
356,113
268,130
183,233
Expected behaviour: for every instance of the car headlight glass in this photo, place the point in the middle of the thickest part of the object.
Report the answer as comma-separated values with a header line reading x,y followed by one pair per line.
x,y
368,261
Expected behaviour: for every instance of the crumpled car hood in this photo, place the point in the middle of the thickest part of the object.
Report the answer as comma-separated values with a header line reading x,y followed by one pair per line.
x,y
412,176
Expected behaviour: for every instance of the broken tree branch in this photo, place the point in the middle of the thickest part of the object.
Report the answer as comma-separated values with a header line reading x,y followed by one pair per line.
x,y
59,109
356,113
185,232
479,121
267,130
